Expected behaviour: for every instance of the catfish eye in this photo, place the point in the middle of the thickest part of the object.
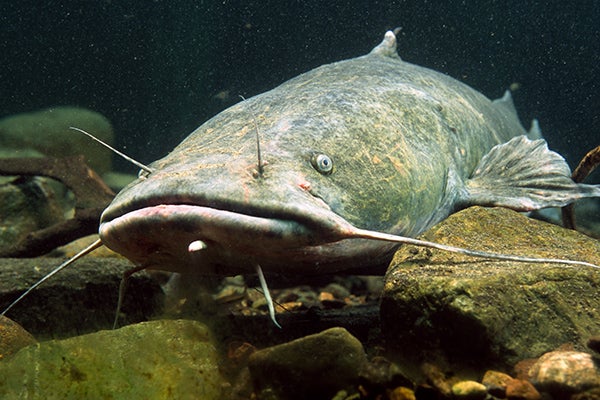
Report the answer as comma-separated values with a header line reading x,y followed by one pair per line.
x,y
322,163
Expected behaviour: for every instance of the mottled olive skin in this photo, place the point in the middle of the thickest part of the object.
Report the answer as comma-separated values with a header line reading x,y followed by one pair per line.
x,y
402,140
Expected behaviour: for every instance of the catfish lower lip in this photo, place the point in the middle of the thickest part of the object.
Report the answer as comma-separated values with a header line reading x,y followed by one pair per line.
x,y
159,236
213,225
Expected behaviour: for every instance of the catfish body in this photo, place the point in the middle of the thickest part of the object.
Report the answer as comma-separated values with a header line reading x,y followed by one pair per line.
x,y
373,142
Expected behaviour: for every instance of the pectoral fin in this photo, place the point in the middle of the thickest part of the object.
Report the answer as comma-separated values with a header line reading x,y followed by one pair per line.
x,y
524,175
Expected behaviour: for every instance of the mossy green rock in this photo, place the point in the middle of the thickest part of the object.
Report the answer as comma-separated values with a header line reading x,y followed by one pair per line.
x,y
168,359
47,131
313,367
485,312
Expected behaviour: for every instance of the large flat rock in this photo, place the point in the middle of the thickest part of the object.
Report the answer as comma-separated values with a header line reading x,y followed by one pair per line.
x,y
489,313
80,299
165,359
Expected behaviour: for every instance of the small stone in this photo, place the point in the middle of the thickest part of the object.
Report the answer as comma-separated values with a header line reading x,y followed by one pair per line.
x,y
238,352
325,296
402,393
289,306
380,374
354,300
521,368
518,389
260,304
329,301
315,366
497,378
341,395
437,378
560,372
301,294
470,390
230,293
338,291
496,382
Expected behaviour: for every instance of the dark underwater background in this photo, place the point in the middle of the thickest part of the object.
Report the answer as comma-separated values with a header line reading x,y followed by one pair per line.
x,y
158,69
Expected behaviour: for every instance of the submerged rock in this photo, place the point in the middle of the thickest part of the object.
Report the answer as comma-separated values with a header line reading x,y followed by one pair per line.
x,y
519,389
469,390
566,372
47,131
496,382
488,313
79,299
12,338
316,366
168,359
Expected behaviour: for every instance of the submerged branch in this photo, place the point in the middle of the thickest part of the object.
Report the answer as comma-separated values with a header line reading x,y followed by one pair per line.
x,y
91,197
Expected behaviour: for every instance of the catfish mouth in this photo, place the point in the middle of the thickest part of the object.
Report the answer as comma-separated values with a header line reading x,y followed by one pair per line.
x,y
313,218
157,233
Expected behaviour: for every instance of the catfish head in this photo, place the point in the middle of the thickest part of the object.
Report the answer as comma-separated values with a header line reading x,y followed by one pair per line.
x,y
213,206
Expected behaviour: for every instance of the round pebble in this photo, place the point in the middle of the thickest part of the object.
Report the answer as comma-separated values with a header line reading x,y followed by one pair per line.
x,y
469,390
565,372
402,393
496,382
519,389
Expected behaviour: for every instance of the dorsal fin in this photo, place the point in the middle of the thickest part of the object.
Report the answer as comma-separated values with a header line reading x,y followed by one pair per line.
x,y
506,102
388,46
534,131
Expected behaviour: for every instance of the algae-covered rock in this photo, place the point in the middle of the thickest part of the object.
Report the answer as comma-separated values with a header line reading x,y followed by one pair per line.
x,y
79,299
152,360
312,367
12,338
469,390
47,131
487,312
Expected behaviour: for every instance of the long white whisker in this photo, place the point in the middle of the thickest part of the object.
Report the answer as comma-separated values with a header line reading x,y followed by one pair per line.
x,y
56,270
122,286
126,157
267,294
260,163
361,233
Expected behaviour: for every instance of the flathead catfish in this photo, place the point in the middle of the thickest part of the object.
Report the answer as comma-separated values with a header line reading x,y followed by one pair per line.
x,y
316,175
